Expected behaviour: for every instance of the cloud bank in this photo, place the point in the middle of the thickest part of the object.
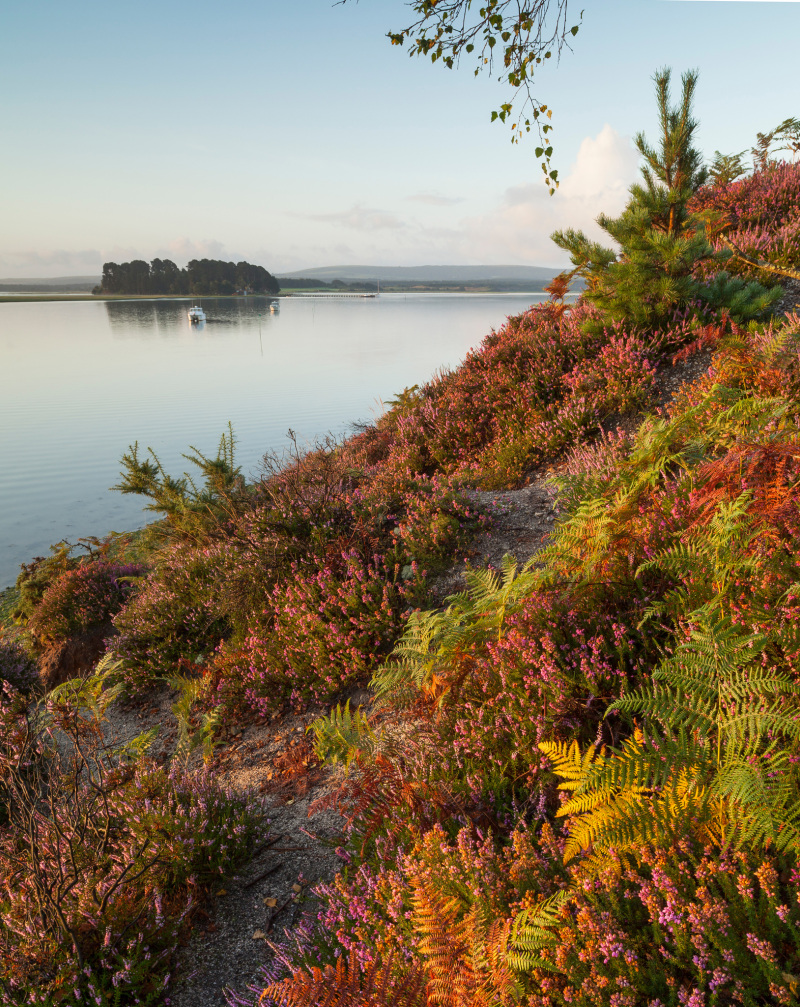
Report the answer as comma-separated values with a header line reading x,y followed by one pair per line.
x,y
515,230
519,229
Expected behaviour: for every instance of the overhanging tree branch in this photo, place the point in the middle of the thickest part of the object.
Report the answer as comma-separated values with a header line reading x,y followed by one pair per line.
x,y
518,34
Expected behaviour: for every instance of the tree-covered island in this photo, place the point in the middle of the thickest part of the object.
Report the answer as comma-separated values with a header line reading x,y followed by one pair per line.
x,y
201,277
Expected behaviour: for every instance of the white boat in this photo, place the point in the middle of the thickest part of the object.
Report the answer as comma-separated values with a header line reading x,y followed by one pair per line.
x,y
196,314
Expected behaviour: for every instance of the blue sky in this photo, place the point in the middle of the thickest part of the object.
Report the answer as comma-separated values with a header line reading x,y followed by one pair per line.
x,y
294,135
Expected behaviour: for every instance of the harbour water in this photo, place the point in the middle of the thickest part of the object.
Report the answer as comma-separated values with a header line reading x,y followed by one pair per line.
x,y
80,381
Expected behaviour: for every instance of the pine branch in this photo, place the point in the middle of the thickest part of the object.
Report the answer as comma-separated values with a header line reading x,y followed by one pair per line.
x,y
766,266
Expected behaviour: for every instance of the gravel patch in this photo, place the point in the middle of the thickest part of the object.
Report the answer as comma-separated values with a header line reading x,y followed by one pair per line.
x,y
273,758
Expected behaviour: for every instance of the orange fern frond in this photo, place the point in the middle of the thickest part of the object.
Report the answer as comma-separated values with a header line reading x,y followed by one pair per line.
x,y
371,798
466,963
445,945
708,338
347,985
500,981
771,472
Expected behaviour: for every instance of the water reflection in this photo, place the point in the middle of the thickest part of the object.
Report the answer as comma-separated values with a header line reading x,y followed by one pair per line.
x,y
137,318
170,317
80,381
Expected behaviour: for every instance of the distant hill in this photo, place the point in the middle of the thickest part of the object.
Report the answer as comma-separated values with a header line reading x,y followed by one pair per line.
x,y
427,274
49,284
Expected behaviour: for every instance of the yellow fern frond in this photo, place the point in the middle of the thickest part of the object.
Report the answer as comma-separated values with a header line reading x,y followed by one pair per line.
x,y
568,761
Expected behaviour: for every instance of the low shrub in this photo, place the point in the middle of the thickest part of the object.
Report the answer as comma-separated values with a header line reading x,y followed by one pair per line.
x,y
759,215
691,927
323,630
102,857
551,671
90,594
17,667
174,617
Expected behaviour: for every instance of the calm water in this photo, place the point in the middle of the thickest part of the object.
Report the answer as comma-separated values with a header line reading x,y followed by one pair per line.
x,y
81,381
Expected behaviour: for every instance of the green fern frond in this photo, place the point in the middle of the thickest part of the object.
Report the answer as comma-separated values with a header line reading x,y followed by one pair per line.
x,y
203,734
96,692
427,657
342,735
533,930
716,765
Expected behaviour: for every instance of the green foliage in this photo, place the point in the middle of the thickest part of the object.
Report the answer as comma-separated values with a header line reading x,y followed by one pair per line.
x,y
192,512
726,168
425,656
210,277
35,577
711,758
193,732
534,930
519,38
342,735
654,275
786,132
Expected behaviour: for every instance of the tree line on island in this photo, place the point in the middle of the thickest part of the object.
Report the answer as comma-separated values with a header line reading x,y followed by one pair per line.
x,y
201,277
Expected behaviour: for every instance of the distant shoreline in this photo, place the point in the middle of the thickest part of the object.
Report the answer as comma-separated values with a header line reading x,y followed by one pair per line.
x,y
419,289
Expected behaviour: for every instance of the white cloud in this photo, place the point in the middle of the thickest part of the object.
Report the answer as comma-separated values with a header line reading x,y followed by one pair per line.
x,y
358,217
53,262
519,229
434,199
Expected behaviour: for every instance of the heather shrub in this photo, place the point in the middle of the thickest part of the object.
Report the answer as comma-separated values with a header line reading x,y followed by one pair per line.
x,y
620,377
16,665
511,662
433,522
35,577
549,672
322,631
692,926
90,594
174,617
103,854
759,216
504,387
369,908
